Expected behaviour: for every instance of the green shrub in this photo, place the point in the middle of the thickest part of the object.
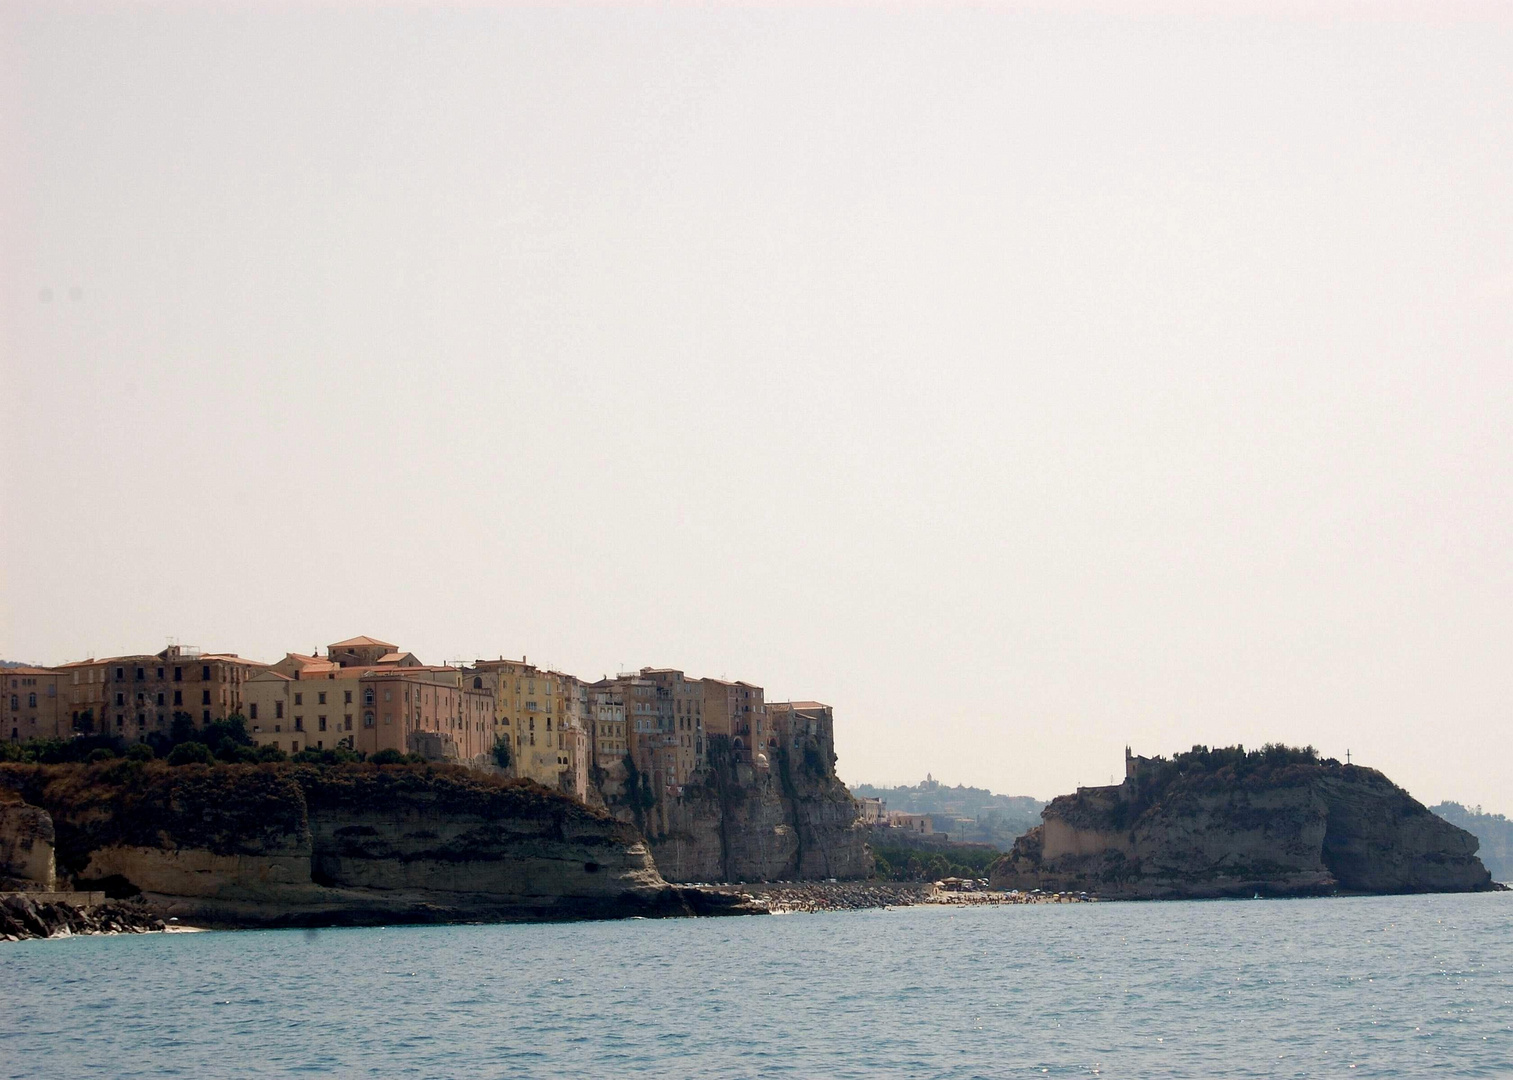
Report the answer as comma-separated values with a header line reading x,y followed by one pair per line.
x,y
235,753
189,753
388,757
101,753
271,753
502,756
139,752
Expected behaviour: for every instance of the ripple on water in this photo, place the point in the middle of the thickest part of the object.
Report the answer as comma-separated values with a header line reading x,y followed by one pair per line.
x,y
1400,986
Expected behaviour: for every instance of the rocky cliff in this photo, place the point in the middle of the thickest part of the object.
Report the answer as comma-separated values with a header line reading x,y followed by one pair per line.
x,y
305,845
26,845
791,820
1226,823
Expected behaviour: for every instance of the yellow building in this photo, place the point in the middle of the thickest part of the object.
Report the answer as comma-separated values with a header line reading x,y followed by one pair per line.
x,y
527,711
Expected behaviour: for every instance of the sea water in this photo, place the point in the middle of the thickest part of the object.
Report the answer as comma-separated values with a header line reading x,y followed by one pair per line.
x,y
1346,987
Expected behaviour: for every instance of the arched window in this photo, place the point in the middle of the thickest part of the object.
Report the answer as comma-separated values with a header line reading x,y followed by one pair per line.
x,y
367,696
477,683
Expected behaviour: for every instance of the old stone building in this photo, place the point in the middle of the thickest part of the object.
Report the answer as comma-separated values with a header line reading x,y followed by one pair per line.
x,y
36,703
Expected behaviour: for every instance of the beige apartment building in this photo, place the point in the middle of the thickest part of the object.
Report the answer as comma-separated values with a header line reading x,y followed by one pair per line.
x,y
87,694
143,693
680,730
368,695
737,711
36,703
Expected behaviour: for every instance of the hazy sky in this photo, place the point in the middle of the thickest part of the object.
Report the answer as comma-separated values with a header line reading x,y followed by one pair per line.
x,y
1024,384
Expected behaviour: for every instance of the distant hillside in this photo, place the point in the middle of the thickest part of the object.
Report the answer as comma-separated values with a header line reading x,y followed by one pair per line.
x,y
1493,830
974,815
16,663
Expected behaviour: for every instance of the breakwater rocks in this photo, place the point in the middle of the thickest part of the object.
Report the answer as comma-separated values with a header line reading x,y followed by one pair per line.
x,y
1225,823
296,845
23,916
788,897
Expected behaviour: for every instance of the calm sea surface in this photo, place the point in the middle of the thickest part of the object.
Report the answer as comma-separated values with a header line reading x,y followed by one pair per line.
x,y
1400,986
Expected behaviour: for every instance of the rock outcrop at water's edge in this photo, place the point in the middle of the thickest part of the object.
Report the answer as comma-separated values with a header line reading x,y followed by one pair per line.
x,y
249,845
792,820
1225,823
33,916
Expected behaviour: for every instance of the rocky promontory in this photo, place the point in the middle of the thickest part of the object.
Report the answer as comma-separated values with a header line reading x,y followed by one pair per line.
x,y
302,845
1224,822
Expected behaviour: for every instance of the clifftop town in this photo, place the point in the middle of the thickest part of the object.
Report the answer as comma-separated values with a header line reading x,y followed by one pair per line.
x,y
724,785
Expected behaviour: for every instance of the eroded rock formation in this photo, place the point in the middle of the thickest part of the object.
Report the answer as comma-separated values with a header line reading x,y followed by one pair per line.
x,y
302,845
1219,825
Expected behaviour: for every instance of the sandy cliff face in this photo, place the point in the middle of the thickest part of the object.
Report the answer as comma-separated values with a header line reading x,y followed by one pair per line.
x,y
249,845
793,821
26,847
1301,830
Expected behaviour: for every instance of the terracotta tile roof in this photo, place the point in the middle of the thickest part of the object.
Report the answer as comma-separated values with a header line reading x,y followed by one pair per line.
x,y
807,705
27,669
358,642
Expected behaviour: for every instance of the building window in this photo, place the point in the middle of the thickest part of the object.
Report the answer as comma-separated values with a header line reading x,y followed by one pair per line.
x,y
299,699
299,723
277,728
253,710
16,700
388,695
205,673
141,674
278,710
160,673
207,716
205,697
367,696
120,699
178,697
321,720
160,699
178,674
367,719
347,723
320,698
346,697
31,701
293,746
